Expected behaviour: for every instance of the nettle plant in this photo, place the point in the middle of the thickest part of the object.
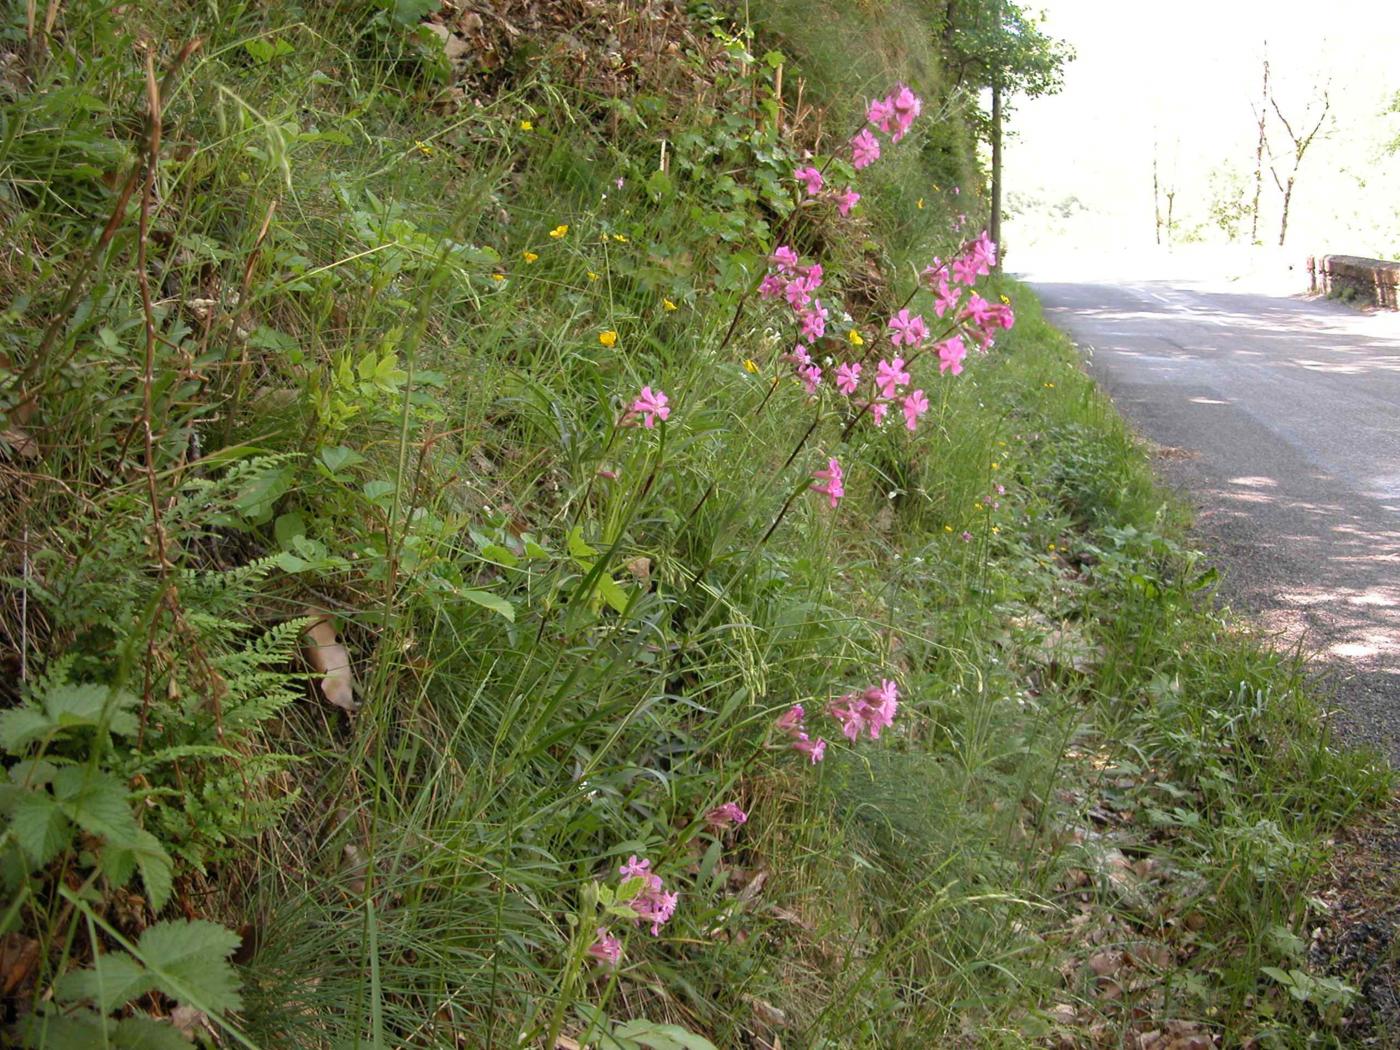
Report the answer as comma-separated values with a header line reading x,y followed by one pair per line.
x,y
852,379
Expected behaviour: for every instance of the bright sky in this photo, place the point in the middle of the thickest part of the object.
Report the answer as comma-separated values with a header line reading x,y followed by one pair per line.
x,y
1182,75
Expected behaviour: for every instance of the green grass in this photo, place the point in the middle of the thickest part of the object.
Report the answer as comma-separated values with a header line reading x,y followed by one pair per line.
x,y
570,639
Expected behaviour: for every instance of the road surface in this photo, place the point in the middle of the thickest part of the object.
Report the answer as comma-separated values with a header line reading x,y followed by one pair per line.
x,y
1279,418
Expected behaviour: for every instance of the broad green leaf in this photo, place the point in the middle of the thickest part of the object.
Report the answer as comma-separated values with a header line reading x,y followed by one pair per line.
x,y
494,602
146,1033
662,1036
22,726
39,826
577,547
338,458
190,963
115,978
501,555
534,550
613,593
377,490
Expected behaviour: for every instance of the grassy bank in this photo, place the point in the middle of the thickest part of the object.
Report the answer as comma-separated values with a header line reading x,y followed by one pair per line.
x,y
358,634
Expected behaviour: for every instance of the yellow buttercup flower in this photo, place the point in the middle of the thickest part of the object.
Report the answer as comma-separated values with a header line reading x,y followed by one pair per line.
x,y
947,528
751,366
920,204
559,231
996,466
423,148
619,238
1005,301
608,338
592,276
529,257
498,277
855,338
525,125
668,304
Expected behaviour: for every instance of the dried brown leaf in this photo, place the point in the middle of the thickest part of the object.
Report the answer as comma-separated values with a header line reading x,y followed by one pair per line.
x,y
328,657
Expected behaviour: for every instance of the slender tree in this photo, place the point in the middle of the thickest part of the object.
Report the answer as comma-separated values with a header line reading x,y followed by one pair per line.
x,y
995,45
1301,141
1261,112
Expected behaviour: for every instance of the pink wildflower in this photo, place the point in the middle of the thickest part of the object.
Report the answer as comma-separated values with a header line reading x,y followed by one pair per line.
x,y
915,405
907,330
811,377
771,286
848,378
847,711
654,904
881,704
966,536
810,178
790,721
796,293
846,201
798,357
950,355
607,949
907,106
814,750
723,816
830,482
880,112
814,320
889,376
877,412
650,406
634,867
784,258
865,149
947,298
812,277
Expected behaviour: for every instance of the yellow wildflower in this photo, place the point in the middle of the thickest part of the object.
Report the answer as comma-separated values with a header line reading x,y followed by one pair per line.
x,y
529,257
619,238
423,148
498,277
592,276
668,304
1049,386
526,125
750,366
996,466
947,528
608,338
1005,301
855,338
1050,547
920,204
559,231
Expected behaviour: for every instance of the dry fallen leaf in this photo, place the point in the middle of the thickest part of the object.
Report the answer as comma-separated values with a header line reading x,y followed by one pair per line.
x,y
328,657
18,955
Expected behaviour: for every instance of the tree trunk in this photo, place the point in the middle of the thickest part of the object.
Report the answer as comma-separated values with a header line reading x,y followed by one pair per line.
x,y
1259,158
1287,197
1156,201
995,230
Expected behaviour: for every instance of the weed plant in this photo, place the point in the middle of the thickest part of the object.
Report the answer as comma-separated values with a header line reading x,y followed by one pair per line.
x,y
311,329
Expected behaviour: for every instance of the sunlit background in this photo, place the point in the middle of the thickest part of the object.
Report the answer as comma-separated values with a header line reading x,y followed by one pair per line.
x,y
1182,83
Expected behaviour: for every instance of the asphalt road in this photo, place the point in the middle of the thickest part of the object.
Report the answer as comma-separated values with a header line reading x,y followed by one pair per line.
x,y
1279,418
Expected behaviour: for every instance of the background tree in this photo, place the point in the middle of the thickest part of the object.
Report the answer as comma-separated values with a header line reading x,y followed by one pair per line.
x,y
1300,140
995,45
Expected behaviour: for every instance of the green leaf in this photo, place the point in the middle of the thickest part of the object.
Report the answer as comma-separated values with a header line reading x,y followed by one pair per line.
x,y
494,602
146,1033
774,59
338,458
21,726
662,1036
501,555
287,527
376,491
157,872
613,593
115,978
39,826
190,963
577,547
408,12
659,185
534,550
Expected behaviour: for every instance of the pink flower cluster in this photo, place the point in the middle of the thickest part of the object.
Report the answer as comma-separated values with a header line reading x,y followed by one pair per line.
x,y
830,482
795,283
867,712
895,113
790,722
870,711
652,904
